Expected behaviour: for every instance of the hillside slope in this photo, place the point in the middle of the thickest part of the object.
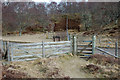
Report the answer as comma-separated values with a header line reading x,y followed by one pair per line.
x,y
112,30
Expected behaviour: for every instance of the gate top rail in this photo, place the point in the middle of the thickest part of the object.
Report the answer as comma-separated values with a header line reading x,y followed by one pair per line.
x,y
33,44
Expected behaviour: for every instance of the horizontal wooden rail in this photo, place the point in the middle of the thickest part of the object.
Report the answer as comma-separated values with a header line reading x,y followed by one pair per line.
x,y
23,56
16,41
60,42
63,48
84,45
31,47
87,52
87,41
25,59
26,44
27,51
62,52
50,46
81,48
31,44
40,47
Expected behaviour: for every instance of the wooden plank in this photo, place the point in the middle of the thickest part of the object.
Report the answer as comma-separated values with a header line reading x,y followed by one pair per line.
x,y
58,42
27,51
8,52
25,59
102,50
32,47
11,52
51,46
43,50
13,41
84,50
23,56
26,44
62,52
57,53
84,45
87,41
80,48
88,52
62,48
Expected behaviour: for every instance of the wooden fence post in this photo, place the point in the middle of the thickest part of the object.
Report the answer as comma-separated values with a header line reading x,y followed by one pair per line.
x,y
0,50
11,51
5,46
69,37
8,52
93,44
74,45
1,45
43,50
116,48
20,32
71,44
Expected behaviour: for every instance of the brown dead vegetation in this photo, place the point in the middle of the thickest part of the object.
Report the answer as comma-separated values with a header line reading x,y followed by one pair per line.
x,y
10,72
93,68
104,59
34,28
103,66
72,24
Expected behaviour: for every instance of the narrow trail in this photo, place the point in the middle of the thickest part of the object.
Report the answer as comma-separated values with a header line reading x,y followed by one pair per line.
x,y
68,66
73,68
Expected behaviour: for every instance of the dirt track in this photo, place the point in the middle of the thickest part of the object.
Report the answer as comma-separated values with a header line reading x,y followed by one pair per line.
x,y
62,67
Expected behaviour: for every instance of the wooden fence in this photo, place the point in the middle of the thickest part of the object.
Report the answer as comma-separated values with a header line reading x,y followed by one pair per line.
x,y
88,46
31,51
83,47
107,45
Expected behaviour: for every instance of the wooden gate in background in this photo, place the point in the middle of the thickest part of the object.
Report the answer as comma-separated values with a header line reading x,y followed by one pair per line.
x,y
84,48
88,45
